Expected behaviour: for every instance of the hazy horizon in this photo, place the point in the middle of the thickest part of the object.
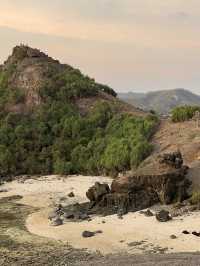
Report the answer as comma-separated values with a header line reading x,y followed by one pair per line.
x,y
130,45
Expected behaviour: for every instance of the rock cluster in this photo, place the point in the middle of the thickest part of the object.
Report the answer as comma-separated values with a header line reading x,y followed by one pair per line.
x,y
173,159
137,192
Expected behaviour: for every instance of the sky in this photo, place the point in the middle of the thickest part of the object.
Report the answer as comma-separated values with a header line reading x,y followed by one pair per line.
x,y
131,45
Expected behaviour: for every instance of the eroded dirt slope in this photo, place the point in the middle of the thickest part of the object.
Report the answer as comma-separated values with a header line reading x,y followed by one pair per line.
x,y
184,136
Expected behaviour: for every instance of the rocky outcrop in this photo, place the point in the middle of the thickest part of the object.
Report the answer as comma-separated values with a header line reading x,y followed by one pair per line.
x,y
173,159
140,191
134,192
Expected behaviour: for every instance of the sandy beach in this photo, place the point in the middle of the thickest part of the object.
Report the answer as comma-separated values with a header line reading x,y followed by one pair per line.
x,y
134,234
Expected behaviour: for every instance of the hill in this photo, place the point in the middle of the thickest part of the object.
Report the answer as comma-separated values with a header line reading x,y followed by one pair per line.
x,y
161,101
54,119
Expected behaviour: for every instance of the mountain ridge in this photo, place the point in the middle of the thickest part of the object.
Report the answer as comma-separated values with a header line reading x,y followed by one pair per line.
x,y
161,101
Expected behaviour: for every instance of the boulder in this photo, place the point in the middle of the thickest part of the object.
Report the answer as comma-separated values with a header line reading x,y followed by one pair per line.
x,y
96,192
76,212
57,221
52,215
163,216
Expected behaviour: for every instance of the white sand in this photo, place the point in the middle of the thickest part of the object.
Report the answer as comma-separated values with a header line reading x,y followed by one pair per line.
x,y
135,227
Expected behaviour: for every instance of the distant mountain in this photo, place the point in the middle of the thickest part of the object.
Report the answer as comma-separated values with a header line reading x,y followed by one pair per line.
x,y
161,101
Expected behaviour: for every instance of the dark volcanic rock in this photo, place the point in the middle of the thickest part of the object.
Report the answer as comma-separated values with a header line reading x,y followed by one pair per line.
x,y
87,234
196,234
185,232
174,159
95,193
165,183
71,195
163,216
76,212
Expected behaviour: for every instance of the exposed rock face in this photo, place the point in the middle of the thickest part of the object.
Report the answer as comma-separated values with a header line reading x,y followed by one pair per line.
x,y
136,192
174,159
31,70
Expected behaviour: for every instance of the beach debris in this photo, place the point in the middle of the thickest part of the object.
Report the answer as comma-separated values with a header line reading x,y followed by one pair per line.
x,y
163,216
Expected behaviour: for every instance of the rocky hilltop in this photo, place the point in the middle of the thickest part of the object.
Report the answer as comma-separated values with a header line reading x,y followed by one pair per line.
x,y
30,71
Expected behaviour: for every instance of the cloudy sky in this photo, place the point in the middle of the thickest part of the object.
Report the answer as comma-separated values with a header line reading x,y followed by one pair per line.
x,y
136,45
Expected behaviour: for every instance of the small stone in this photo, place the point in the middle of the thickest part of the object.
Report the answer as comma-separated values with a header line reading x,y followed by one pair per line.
x,y
173,237
71,195
57,222
196,234
148,213
185,232
103,222
98,232
87,234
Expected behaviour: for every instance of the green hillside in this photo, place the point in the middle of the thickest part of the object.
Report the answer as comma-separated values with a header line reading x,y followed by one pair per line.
x,y
42,130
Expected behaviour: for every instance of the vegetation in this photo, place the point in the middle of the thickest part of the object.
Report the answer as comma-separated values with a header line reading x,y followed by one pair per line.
x,y
195,199
184,113
55,138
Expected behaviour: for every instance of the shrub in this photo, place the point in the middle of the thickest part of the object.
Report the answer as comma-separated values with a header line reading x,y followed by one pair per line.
x,y
55,138
184,113
195,199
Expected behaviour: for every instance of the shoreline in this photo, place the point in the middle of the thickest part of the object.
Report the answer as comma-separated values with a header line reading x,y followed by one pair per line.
x,y
134,234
